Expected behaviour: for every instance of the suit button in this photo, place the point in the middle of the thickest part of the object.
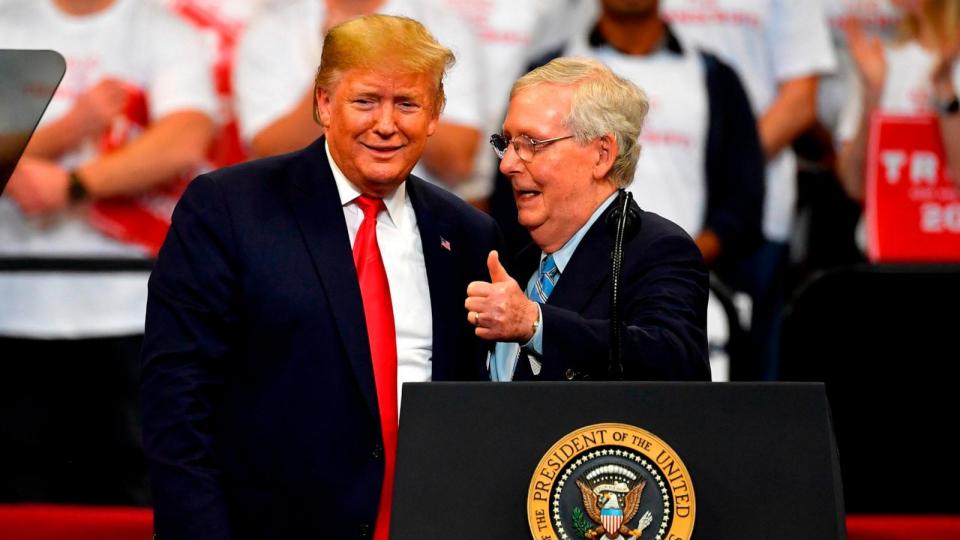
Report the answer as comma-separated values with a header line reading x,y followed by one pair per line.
x,y
364,530
377,452
570,374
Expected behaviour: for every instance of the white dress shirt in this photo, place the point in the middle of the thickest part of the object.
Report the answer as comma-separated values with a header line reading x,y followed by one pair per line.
x,y
402,253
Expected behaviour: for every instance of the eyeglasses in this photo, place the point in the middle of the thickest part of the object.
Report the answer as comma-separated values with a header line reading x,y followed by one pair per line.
x,y
524,146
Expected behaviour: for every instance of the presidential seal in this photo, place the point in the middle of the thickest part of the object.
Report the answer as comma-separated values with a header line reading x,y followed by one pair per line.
x,y
614,482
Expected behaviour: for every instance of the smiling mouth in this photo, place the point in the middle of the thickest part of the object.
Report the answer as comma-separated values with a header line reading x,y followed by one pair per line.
x,y
522,195
385,151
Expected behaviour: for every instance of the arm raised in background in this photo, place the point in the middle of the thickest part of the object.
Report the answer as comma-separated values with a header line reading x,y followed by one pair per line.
x,y
871,65
945,91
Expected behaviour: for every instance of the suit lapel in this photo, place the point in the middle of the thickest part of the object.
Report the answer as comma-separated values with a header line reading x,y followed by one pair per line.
x,y
587,270
439,242
315,202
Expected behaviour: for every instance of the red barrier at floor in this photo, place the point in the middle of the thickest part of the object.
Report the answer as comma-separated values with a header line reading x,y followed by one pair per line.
x,y
58,522
903,527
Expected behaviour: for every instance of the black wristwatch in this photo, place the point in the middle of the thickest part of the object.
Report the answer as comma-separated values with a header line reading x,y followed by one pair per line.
x,y
76,190
948,106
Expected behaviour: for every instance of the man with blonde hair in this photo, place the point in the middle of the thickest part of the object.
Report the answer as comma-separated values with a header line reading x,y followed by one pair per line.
x,y
295,294
278,52
569,141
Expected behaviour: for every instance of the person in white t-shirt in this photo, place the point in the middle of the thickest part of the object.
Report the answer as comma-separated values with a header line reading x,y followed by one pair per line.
x,y
132,113
127,62
919,74
701,165
279,52
220,23
779,48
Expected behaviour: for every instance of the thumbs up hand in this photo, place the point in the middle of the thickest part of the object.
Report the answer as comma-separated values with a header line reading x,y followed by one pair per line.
x,y
499,309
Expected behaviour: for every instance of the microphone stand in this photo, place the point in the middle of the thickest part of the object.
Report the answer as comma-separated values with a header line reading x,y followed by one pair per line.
x,y
615,368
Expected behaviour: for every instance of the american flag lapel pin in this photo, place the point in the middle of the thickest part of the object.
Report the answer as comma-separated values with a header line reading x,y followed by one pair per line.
x,y
444,243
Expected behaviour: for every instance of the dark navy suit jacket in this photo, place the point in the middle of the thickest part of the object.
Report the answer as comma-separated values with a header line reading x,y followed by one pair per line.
x,y
663,307
259,407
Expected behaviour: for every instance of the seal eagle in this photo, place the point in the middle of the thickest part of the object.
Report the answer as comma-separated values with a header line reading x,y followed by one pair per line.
x,y
603,507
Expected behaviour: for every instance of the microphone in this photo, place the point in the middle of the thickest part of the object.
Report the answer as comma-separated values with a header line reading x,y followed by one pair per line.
x,y
631,226
623,223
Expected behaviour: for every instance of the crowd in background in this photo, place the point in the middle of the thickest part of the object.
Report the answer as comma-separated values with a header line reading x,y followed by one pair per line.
x,y
755,143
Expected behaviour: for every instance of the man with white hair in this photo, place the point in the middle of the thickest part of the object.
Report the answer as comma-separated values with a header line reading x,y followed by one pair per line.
x,y
569,143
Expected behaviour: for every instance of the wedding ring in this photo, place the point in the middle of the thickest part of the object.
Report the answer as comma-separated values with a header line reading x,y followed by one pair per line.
x,y
476,318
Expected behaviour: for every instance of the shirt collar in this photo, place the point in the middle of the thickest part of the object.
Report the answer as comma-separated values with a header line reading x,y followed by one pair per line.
x,y
349,192
669,42
562,256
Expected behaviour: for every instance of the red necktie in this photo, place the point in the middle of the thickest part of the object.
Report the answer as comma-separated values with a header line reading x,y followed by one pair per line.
x,y
378,311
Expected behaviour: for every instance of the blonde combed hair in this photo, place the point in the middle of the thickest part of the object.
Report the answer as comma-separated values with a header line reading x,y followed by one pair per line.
x,y
378,42
603,103
944,16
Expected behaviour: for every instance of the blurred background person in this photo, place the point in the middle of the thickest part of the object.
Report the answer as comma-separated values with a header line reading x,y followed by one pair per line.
x,y
132,114
780,48
512,34
878,18
826,217
919,74
279,52
221,23
702,165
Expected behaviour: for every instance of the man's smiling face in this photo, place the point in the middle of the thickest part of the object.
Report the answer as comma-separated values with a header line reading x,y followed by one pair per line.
x,y
377,123
556,191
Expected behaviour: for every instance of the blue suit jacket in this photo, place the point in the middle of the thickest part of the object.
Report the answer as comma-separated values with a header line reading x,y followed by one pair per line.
x,y
663,307
259,407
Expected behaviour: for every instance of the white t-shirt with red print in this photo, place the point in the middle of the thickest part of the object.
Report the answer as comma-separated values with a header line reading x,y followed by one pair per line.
x,y
767,42
160,58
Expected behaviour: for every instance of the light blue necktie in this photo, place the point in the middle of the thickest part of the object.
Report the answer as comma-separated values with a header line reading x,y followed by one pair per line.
x,y
548,280
505,355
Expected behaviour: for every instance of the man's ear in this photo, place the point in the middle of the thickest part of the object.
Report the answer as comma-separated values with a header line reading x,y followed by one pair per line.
x,y
435,110
432,126
607,150
323,105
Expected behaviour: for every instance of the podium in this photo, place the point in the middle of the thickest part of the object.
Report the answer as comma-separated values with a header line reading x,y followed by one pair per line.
x,y
761,456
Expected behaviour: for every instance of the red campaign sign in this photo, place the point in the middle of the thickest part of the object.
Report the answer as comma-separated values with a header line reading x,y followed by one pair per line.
x,y
912,203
